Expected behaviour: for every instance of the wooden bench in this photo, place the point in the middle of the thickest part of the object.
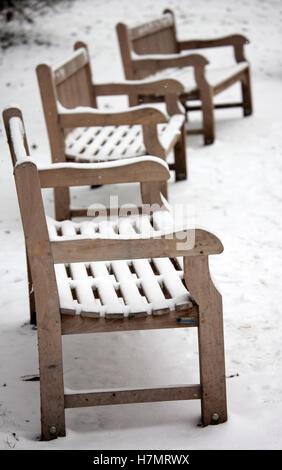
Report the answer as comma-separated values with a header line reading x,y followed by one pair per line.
x,y
79,132
157,285
153,50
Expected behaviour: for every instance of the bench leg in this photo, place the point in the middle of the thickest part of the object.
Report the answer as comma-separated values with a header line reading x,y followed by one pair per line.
x,y
208,114
211,343
49,351
62,203
247,94
133,100
150,192
51,382
180,157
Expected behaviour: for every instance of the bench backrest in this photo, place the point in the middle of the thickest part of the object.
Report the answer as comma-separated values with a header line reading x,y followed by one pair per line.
x,y
73,80
154,37
70,84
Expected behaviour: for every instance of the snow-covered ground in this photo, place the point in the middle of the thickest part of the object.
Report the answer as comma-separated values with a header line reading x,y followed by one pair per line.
x,y
235,186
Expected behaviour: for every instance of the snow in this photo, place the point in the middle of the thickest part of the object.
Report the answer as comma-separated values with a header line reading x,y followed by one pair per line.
x,y
235,187
214,76
102,165
105,143
128,287
133,226
17,133
170,130
95,144
108,286
100,112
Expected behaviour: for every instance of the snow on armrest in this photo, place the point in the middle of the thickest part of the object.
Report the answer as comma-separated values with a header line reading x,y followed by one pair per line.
x,y
103,165
17,139
181,59
145,86
147,168
85,116
172,131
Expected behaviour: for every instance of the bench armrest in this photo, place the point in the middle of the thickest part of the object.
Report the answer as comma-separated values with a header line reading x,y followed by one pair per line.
x,y
147,168
134,87
170,245
155,62
236,40
169,88
84,116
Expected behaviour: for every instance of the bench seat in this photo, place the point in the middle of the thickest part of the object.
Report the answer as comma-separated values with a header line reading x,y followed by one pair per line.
x,y
122,288
99,144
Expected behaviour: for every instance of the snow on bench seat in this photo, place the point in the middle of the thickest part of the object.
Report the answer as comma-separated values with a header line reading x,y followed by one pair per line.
x,y
108,143
123,288
185,75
